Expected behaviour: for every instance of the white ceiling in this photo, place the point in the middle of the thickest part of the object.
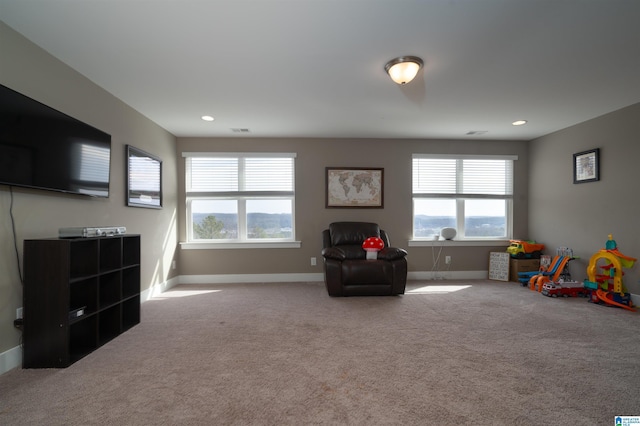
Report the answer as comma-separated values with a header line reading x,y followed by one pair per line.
x,y
315,68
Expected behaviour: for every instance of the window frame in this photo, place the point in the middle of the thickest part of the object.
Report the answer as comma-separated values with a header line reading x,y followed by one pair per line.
x,y
241,196
460,197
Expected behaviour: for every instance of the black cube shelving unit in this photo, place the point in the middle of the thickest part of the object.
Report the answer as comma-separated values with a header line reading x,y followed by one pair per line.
x,y
79,293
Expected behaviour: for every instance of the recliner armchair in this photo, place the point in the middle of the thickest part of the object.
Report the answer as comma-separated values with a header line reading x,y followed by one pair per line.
x,y
348,272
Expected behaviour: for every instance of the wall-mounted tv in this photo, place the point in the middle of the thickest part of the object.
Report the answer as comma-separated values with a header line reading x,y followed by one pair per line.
x,y
45,149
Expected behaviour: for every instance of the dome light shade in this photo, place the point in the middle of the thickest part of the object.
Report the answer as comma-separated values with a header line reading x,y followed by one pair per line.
x,y
403,69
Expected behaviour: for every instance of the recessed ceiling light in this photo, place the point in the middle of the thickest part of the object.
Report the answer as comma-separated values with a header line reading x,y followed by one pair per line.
x,y
207,118
519,122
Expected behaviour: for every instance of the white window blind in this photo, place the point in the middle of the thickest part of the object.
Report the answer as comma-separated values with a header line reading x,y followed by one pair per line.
x,y
268,174
251,173
462,176
212,174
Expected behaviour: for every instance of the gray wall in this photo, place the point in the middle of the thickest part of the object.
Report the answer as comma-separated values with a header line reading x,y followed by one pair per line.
x,y
38,214
581,216
313,155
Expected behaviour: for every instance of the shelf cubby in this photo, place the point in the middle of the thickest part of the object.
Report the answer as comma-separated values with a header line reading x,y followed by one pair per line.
x,y
109,289
110,324
83,259
83,295
130,251
110,254
130,281
82,338
130,312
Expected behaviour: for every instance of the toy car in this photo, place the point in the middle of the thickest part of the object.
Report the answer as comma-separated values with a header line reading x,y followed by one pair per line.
x,y
565,289
521,249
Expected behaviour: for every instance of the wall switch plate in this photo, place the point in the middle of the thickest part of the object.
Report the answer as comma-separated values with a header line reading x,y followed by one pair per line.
x,y
19,313
313,261
447,260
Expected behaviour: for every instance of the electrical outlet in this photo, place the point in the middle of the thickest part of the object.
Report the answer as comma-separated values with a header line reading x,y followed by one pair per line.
x,y
313,261
447,260
19,313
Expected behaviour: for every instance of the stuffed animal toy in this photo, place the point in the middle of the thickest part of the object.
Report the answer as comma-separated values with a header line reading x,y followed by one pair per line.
x,y
372,246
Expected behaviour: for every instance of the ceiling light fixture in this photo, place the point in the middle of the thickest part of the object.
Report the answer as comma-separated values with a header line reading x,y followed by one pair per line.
x,y
519,122
207,118
403,69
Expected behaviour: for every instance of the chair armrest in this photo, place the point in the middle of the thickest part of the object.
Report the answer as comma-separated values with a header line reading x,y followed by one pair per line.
x,y
333,253
344,252
391,253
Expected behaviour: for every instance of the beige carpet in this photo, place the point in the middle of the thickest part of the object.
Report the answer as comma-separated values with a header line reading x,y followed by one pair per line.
x,y
446,353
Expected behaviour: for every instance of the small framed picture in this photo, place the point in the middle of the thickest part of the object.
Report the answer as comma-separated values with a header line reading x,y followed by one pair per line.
x,y
586,166
144,179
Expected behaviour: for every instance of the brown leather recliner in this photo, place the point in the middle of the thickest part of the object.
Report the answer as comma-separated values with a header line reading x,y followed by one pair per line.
x,y
348,272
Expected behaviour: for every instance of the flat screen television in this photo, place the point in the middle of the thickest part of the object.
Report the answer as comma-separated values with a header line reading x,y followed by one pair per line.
x,y
45,149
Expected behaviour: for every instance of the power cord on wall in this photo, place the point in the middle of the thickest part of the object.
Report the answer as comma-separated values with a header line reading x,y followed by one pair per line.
x,y
436,261
15,238
18,322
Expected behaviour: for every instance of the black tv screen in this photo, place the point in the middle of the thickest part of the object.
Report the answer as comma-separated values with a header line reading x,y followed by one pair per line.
x,y
46,149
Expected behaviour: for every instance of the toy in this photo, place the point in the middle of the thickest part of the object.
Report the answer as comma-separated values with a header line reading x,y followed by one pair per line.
x,y
607,287
372,246
521,249
537,281
564,288
551,269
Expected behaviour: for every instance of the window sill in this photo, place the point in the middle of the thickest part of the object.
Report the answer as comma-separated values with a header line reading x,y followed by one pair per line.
x,y
460,243
247,245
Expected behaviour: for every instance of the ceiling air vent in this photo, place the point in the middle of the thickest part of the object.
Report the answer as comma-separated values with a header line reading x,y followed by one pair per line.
x,y
239,130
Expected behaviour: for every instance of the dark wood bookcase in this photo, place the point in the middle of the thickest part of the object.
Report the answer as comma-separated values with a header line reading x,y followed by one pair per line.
x,y
78,294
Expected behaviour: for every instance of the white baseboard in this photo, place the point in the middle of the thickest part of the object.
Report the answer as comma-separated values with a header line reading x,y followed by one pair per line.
x,y
250,278
319,277
447,275
158,289
10,359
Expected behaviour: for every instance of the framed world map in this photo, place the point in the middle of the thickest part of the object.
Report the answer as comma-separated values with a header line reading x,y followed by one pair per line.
x,y
354,187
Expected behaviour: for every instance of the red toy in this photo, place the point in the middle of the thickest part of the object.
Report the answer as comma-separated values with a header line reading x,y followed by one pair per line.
x,y
372,246
565,289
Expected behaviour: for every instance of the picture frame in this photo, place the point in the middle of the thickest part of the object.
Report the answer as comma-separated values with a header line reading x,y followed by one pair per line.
x,y
586,166
354,187
499,266
144,179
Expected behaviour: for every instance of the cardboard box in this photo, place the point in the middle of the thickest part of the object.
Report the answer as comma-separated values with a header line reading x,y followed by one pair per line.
x,y
522,265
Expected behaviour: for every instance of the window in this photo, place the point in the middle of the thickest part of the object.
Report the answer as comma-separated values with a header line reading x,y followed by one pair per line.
x,y
473,194
240,197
